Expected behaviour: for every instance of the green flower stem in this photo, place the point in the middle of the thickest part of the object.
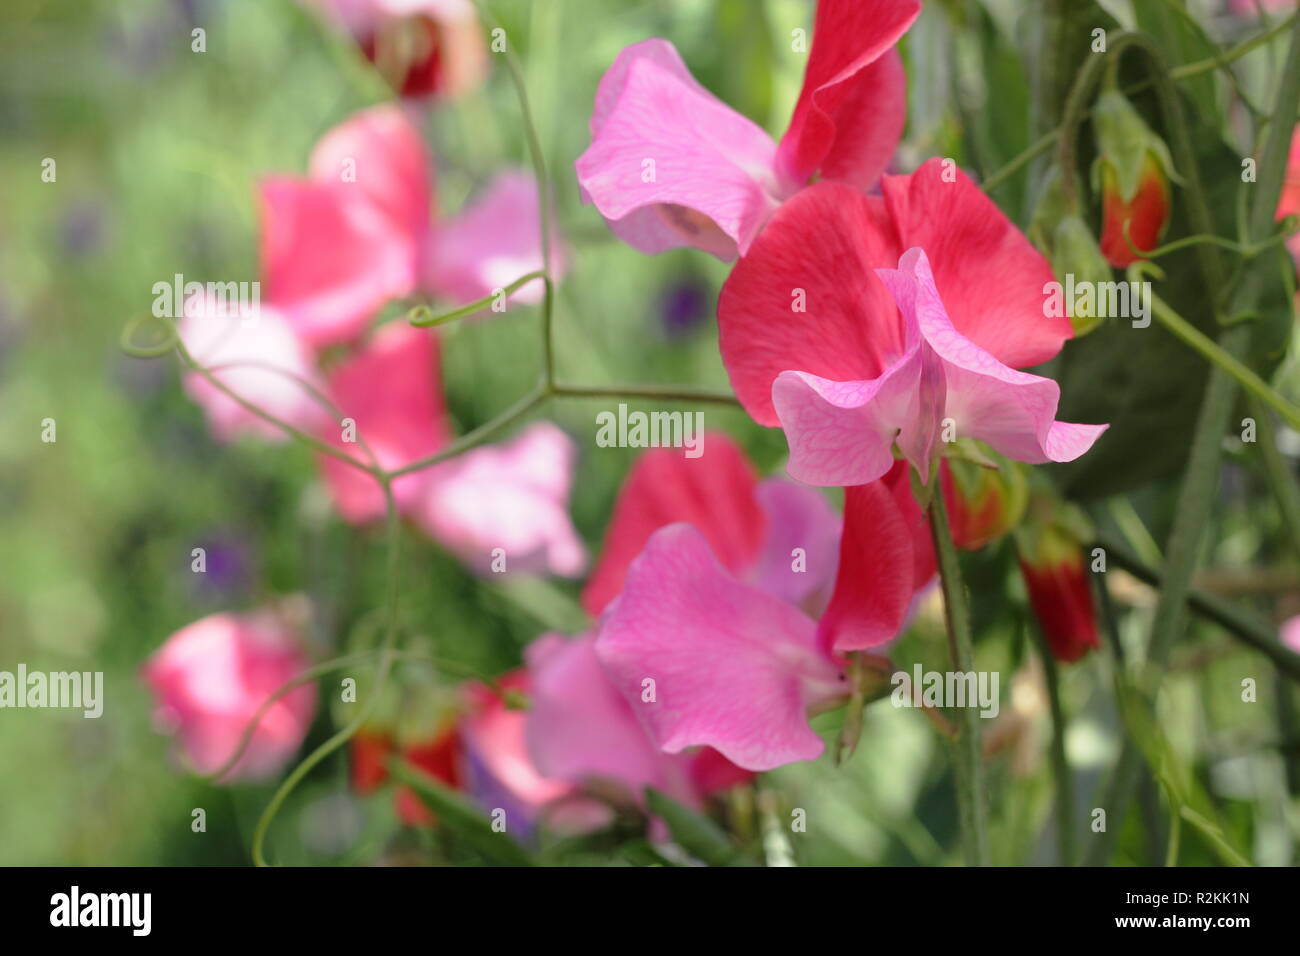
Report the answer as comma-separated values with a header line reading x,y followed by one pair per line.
x,y
421,318
1218,356
387,655
682,394
1067,845
968,763
1196,498
479,435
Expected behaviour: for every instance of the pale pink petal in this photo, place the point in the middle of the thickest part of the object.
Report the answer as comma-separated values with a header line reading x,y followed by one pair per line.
x,y
798,517
494,241
512,496
210,678
1291,633
732,668
253,352
670,165
1014,412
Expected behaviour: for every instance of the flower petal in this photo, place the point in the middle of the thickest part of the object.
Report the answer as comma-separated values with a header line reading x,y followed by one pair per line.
x,y
805,297
1012,411
797,517
713,493
670,164
876,579
851,109
987,272
733,668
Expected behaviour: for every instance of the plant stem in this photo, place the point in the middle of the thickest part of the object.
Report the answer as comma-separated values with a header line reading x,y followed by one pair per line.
x,y
1066,843
968,766
476,306
1280,479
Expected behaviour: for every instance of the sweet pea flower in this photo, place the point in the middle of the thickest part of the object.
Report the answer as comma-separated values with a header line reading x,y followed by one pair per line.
x,y
671,165
210,678
492,242
358,232
512,496
352,236
705,659
254,353
391,391
422,47
843,433
1291,634
752,525
850,360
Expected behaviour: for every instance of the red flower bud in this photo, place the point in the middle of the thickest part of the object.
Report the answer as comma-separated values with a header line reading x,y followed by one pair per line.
x,y
1056,576
1146,212
439,758
370,750
983,503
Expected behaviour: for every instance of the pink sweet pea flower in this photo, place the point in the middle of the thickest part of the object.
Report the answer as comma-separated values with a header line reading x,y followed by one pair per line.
x,y
422,47
581,729
349,238
1291,634
670,165
255,354
843,432
391,390
733,665
512,496
491,243
210,678
752,526
1288,202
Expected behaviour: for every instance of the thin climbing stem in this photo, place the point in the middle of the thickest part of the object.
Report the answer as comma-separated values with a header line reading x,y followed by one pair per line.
x,y
387,656
421,318
1065,821
968,765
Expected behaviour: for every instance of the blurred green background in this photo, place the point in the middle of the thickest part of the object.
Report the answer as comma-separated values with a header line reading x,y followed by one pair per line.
x,y
158,150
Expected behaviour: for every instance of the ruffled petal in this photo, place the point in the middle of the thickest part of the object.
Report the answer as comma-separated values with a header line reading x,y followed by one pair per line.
x,y
851,109
670,164
733,668
798,517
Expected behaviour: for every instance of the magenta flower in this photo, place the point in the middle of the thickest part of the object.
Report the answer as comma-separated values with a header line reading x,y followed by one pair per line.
x,y
707,660
358,232
843,433
256,355
814,340
751,525
390,395
352,236
670,165
513,496
210,678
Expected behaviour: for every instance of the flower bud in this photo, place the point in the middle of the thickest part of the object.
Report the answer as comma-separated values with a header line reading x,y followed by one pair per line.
x,y
1053,565
1132,172
983,502
1077,259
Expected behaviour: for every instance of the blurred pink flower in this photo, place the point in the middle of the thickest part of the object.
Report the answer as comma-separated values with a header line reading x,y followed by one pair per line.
x,y
255,354
491,243
1291,633
391,391
844,432
422,47
671,165
512,496
1288,203
341,243
210,678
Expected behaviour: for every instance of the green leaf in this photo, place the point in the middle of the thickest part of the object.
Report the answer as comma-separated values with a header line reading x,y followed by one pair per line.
x,y
461,817
696,833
